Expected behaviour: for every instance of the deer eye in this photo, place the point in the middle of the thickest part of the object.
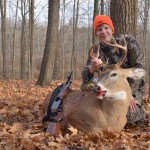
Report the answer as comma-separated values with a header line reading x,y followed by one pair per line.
x,y
113,74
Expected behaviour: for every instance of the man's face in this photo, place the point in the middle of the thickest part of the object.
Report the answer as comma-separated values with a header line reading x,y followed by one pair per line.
x,y
104,33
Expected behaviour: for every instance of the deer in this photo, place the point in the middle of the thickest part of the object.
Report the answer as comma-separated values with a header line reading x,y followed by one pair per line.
x,y
107,107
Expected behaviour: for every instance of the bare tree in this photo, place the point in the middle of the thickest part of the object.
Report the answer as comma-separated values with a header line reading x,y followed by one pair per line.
x,y
107,7
96,12
145,29
31,39
89,28
63,42
14,41
102,7
59,65
47,65
23,40
75,22
3,33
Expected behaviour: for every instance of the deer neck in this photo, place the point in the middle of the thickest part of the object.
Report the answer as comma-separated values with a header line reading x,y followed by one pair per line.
x,y
115,107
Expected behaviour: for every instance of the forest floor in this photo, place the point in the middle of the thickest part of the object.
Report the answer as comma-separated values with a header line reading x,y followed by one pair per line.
x,y
21,127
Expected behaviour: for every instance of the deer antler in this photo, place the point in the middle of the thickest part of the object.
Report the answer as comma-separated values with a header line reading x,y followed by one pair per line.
x,y
124,48
94,54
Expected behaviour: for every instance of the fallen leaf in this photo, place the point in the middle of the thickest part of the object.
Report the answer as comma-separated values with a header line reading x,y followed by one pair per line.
x,y
73,130
16,127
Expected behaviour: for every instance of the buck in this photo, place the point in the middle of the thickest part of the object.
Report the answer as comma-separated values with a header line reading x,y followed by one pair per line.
x,y
106,107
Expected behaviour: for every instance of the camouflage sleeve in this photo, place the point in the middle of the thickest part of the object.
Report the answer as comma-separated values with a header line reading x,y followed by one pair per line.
x,y
136,59
86,76
135,54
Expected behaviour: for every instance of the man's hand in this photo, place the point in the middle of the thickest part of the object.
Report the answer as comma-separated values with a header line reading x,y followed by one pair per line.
x,y
132,105
95,65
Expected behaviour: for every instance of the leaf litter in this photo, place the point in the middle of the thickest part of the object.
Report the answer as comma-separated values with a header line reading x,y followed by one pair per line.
x,y
21,127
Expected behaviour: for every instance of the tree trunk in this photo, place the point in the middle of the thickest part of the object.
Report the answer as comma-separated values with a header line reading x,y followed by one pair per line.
x,y
107,4
14,42
47,65
57,62
149,85
96,2
145,31
59,65
63,41
89,30
74,55
23,41
3,32
124,16
102,7
31,37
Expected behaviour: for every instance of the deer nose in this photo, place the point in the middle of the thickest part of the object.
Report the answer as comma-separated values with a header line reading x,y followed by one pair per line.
x,y
98,88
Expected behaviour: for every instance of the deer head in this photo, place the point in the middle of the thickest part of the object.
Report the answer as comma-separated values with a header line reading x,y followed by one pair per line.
x,y
112,82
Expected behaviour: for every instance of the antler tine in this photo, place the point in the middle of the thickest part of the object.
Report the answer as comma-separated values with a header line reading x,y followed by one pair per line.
x,y
92,54
124,48
96,55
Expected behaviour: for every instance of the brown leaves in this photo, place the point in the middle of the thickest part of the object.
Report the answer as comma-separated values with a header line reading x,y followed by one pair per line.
x,y
21,127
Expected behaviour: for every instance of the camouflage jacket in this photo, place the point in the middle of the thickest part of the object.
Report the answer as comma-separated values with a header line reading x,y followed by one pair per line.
x,y
134,59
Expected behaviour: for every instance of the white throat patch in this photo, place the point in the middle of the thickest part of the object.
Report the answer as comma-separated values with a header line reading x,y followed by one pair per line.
x,y
120,95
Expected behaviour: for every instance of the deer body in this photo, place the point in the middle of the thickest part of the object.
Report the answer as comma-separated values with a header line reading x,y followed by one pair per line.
x,y
93,113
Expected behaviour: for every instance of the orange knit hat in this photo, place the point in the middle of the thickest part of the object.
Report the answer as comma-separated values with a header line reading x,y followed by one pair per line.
x,y
102,19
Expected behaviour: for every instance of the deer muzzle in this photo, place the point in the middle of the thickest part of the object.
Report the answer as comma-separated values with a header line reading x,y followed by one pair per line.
x,y
100,93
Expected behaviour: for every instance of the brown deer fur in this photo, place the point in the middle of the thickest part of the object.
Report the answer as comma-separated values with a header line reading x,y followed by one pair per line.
x,y
90,113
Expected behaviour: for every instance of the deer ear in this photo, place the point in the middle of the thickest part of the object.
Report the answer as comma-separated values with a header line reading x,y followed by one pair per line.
x,y
135,73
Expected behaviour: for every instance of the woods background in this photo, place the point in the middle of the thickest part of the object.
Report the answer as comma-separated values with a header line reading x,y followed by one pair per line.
x,y
27,24
40,42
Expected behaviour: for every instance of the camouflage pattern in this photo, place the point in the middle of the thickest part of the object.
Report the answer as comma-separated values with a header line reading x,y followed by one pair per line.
x,y
134,59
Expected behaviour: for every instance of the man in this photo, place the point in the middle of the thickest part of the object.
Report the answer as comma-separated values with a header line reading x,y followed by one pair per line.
x,y
104,30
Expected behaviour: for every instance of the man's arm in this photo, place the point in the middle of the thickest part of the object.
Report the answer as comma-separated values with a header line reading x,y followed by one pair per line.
x,y
85,74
